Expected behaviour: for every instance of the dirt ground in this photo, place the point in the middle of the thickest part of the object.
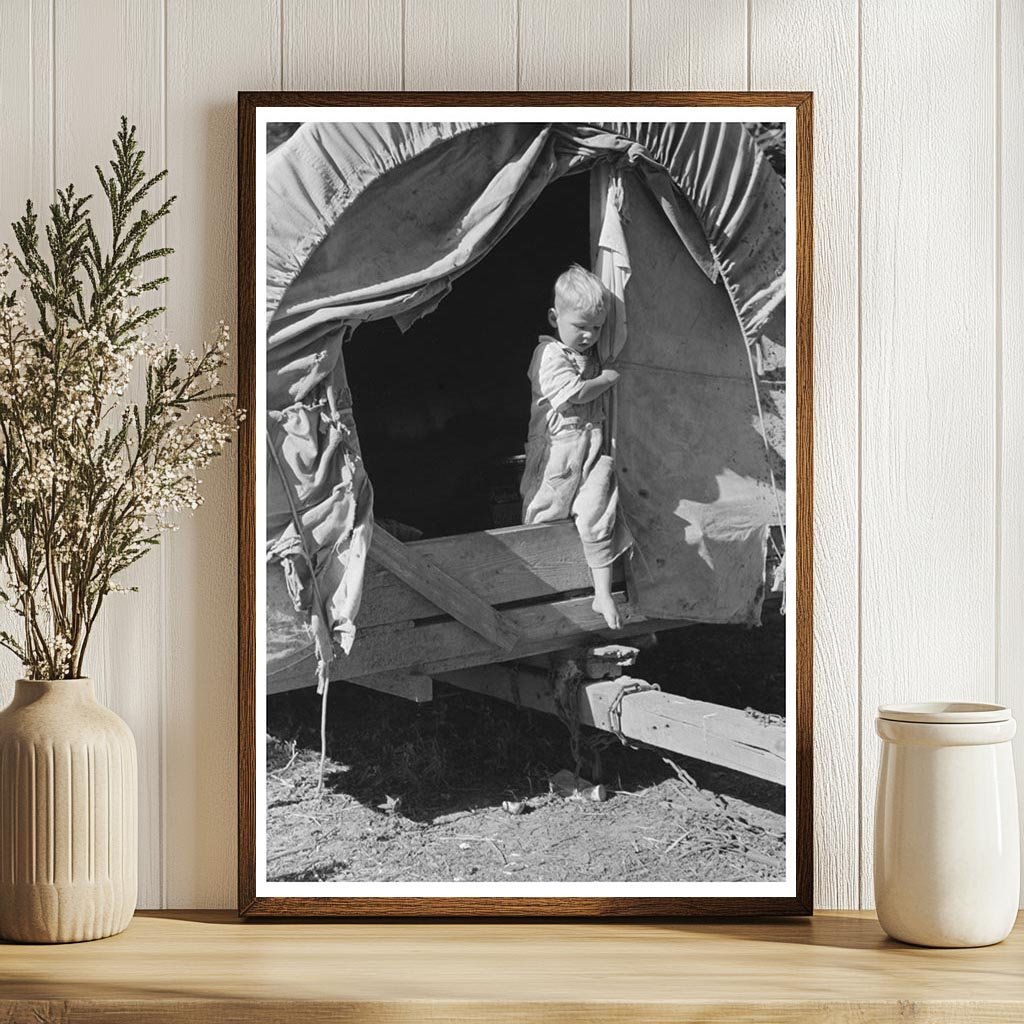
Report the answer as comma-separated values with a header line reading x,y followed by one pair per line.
x,y
415,792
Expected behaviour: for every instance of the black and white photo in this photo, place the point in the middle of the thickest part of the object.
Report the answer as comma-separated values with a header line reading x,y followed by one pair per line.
x,y
525,565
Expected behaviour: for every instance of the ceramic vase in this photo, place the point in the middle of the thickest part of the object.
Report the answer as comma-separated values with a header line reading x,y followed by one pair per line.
x,y
68,815
947,847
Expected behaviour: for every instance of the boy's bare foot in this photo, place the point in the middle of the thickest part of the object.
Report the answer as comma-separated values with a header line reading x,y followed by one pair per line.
x,y
605,606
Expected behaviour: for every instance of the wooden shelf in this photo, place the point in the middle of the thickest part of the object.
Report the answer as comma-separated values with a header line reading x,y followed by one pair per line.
x,y
209,966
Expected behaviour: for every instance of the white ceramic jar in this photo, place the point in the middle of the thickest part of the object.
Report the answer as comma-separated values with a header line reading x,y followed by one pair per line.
x,y
947,847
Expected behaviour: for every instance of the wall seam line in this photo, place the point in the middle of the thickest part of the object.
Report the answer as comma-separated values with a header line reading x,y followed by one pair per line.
x,y
997,210
519,36
860,460
629,44
53,98
750,18
33,170
162,698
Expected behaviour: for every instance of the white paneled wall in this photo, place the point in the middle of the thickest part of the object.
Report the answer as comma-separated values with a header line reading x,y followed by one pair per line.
x,y
919,306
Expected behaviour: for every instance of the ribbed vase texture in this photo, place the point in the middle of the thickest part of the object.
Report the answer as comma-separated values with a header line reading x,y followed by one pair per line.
x,y
68,815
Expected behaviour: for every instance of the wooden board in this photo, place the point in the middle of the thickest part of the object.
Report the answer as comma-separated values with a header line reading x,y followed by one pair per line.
x,y
1010,271
517,563
211,51
700,44
128,80
341,44
446,646
446,593
928,484
698,729
211,968
26,123
409,685
459,44
832,73
573,44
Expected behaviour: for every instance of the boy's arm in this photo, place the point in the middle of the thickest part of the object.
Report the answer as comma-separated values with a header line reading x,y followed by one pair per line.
x,y
595,387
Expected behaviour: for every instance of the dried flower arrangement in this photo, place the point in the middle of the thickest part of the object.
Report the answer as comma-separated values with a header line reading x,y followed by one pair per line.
x,y
89,478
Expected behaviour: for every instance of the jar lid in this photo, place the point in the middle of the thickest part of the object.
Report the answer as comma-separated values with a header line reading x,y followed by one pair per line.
x,y
945,712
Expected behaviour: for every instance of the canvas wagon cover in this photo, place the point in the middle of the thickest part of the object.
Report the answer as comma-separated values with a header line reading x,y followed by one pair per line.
x,y
367,221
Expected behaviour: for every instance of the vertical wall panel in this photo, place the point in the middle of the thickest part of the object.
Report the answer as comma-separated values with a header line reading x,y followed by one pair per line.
x,y
26,100
213,51
124,654
928,363
830,71
26,70
342,44
460,44
574,44
1010,239
700,44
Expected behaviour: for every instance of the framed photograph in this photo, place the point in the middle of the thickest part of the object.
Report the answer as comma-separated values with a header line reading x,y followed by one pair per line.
x,y
525,504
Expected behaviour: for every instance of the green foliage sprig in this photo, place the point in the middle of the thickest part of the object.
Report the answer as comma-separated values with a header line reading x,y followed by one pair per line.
x,y
89,477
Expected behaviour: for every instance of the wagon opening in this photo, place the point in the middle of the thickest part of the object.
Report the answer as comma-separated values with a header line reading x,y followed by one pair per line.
x,y
443,441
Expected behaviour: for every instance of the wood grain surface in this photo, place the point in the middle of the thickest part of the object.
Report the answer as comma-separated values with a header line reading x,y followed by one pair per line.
x,y
26,116
701,44
459,44
928,375
446,592
1009,273
229,45
708,732
836,639
931,211
356,44
511,564
574,44
200,967
127,666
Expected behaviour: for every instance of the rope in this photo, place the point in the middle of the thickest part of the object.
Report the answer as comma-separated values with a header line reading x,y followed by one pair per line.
x,y
615,708
297,523
322,683
565,680
323,737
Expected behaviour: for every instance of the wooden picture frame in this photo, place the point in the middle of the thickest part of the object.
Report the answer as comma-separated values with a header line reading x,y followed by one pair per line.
x,y
798,899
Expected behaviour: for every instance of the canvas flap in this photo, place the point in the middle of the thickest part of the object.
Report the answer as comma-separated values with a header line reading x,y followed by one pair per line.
x,y
693,466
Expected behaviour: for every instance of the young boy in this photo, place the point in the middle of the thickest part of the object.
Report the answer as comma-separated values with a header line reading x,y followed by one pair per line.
x,y
566,474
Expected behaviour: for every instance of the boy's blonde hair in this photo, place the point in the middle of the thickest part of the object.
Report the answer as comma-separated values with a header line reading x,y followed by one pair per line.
x,y
579,289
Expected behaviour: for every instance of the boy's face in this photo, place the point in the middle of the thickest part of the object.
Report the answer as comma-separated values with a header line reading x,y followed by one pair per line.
x,y
577,329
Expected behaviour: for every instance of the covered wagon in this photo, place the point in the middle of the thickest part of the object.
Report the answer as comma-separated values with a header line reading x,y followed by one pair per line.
x,y
409,266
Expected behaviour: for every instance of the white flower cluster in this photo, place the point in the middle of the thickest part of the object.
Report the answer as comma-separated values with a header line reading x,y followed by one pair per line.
x,y
101,442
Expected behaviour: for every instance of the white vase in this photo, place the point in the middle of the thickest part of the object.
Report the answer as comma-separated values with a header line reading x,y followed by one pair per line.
x,y
68,815
947,847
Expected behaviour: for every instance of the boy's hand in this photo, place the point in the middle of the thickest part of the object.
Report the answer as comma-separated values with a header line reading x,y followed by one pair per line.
x,y
611,377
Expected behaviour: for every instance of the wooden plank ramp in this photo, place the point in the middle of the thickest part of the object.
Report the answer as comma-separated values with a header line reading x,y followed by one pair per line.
x,y
503,566
429,648
708,732
542,563
446,593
